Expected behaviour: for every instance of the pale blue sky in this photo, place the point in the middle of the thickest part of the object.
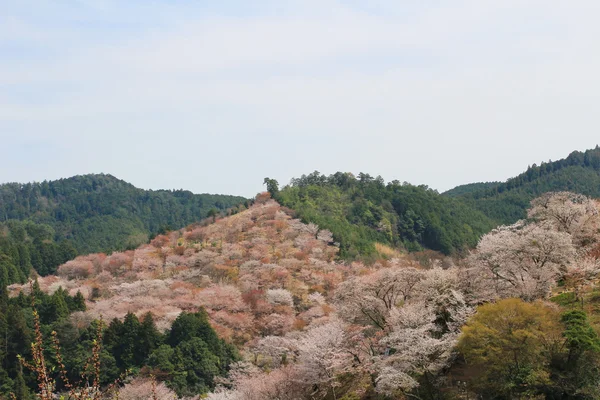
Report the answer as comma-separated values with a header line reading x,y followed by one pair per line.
x,y
212,96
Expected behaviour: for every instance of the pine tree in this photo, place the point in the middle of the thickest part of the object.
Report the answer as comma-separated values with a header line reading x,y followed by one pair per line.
x,y
24,261
59,304
150,337
78,303
21,389
129,342
4,282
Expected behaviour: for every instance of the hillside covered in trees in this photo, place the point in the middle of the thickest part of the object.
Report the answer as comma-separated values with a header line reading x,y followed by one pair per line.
x,y
166,301
189,353
363,210
44,224
312,291
508,201
25,245
256,305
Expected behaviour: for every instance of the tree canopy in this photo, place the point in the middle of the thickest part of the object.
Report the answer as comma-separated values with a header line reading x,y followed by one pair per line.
x,y
100,213
507,202
363,210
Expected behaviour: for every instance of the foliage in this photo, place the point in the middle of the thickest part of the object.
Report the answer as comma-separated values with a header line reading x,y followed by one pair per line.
x,y
310,326
25,245
102,213
144,389
508,202
361,211
523,260
513,348
529,258
470,188
509,345
20,330
187,357
255,273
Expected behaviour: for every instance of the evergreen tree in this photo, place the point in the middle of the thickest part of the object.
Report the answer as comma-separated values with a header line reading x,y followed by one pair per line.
x,y
21,390
130,354
4,280
199,364
59,304
78,303
150,337
194,325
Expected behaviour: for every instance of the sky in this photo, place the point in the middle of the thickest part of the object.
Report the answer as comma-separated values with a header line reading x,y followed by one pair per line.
x,y
214,96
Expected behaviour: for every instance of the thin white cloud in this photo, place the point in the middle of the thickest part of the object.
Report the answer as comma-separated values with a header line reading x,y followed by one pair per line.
x,y
415,93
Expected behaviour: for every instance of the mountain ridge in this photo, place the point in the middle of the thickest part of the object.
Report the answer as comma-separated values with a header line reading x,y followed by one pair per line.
x,y
506,202
101,213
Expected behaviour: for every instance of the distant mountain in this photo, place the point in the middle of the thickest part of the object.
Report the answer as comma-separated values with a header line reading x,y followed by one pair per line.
x,y
98,212
508,201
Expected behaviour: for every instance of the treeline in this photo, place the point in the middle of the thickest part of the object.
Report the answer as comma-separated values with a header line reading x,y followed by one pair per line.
x,y
100,213
362,210
25,245
507,202
188,357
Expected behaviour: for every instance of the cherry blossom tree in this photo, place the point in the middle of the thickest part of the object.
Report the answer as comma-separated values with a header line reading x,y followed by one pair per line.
x,y
369,299
581,274
325,236
273,351
144,389
322,355
280,297
523,260
440,293
422,333
76,269
251,383
276,324
567,212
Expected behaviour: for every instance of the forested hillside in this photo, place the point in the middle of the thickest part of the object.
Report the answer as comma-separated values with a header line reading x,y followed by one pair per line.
x,y
507,202
257,306
25,245
189,355
256,273
102,213
361,211
470,188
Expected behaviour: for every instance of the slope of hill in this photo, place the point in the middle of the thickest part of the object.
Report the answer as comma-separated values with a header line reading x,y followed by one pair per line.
x,y
470,188
211,265
308,326
256,273
362,211
507,202
102,213
25,245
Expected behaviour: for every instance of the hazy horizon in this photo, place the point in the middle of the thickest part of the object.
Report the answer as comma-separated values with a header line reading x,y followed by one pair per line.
x,y
213,98
284,182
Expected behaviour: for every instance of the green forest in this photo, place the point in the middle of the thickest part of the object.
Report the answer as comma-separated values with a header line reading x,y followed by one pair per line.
x,y
471,322
43,225
507,202
25,245
99,212
362,210
187,357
